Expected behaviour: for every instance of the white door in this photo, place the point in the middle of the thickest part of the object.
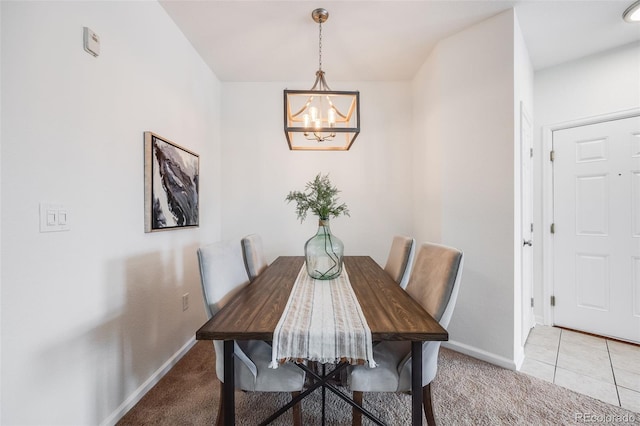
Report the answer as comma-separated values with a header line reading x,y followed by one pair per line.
x,y
597,228
526,194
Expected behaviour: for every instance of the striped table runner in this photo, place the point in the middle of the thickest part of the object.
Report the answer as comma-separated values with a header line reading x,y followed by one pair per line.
x,y
322,322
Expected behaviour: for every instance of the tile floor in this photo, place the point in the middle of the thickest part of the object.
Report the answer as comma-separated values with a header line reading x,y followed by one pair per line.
x,y
604,369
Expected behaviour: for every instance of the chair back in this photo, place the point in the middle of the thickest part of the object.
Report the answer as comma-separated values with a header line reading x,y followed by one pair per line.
x,y
435,280
253,254
400,259
434,283
222,274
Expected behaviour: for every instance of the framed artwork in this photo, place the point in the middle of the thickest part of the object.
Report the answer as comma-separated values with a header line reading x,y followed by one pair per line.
x,y
171,185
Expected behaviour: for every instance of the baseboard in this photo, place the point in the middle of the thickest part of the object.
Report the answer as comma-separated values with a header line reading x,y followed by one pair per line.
x,y
147,385
481,354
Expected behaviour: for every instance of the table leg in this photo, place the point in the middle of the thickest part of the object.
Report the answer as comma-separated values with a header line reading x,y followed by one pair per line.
x,y
229,384
416,383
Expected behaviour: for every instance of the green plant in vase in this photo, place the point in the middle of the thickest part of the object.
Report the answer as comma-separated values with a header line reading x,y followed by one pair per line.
x,y
323,251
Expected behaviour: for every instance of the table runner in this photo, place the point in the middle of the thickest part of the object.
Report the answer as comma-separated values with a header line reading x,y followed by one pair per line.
x,y
323,322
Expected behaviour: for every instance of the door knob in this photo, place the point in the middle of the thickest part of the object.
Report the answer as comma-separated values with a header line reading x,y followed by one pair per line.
x,y
527,243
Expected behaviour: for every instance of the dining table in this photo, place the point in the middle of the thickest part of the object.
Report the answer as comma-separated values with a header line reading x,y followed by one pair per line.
x,y
390,312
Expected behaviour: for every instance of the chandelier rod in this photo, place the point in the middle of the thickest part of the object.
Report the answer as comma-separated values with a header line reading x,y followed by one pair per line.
x,y
320,46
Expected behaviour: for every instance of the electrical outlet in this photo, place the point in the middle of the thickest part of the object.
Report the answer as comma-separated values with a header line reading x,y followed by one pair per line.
x,y
185,301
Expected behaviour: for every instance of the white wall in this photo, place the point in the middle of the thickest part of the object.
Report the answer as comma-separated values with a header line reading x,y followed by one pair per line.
x,y
465,136
90,314
595,85
259,170
427,146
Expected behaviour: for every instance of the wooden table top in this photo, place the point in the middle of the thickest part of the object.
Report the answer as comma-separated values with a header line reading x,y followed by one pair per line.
x,y
390,312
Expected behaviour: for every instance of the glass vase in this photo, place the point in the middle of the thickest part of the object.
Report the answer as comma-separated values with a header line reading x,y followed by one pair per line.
x,y
323,253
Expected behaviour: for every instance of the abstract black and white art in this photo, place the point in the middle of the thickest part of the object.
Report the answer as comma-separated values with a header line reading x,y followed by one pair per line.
x,y
171,185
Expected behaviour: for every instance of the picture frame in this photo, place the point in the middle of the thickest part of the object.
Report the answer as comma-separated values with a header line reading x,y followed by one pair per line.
x,y
171,185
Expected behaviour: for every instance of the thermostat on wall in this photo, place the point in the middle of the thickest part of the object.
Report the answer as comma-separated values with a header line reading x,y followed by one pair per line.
x,y
91,42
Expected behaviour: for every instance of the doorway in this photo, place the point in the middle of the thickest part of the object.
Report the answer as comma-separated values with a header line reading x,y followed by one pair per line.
x,y
595,278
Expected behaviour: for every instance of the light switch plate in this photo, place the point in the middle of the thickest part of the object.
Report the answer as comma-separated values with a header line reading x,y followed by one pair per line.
x,y
53,217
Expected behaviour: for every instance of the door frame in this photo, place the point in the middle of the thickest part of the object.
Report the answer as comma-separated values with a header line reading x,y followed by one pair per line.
x,y
547,198
527,315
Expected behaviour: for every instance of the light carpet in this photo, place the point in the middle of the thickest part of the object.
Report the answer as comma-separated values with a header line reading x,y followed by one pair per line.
x,y
466,391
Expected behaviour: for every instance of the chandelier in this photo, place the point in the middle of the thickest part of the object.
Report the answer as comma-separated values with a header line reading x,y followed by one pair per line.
x,y
321,119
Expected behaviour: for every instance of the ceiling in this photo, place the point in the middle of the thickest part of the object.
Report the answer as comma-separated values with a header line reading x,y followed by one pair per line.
x,y
258,41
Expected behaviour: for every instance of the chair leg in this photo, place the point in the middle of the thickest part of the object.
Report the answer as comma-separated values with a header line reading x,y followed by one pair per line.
x,y
356,416
296,411
220,419
428,408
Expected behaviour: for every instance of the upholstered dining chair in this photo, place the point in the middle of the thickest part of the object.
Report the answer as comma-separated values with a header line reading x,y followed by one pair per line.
x,y
400,258
222,275
434,283
253,254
